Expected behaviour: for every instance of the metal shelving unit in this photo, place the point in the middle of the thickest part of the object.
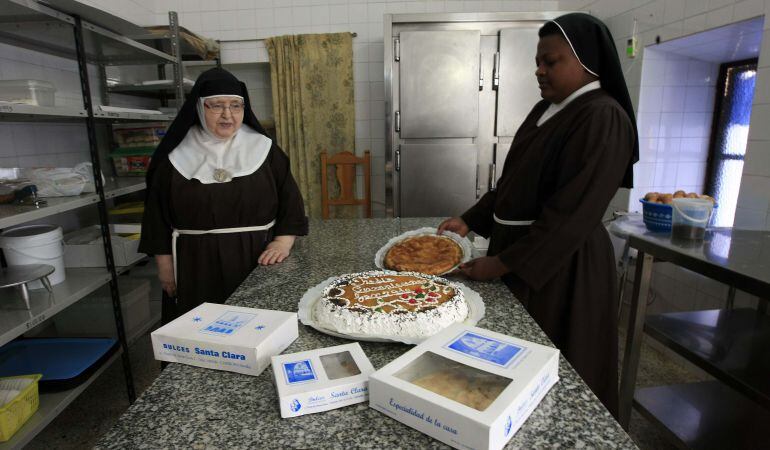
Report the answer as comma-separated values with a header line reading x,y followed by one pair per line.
x,y
71,30
51,405
15,319
732,344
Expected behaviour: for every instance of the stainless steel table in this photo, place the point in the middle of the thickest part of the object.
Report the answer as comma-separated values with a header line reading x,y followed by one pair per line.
x,y
732,345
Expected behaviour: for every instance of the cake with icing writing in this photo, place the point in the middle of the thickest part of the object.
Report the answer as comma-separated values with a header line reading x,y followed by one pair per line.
x,y
386,303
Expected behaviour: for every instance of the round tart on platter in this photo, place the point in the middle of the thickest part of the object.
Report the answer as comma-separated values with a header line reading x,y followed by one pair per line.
x,y
429,254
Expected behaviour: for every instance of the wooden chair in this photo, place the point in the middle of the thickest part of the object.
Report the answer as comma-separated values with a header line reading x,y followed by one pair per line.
x,y
345,163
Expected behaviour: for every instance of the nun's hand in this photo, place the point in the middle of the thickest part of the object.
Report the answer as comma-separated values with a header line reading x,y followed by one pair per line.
x,y
483,269
166,274
276,251
456,225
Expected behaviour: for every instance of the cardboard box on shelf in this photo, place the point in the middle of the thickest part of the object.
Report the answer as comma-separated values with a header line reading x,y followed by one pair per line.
x,y
226,337
466,386
84,248
321,379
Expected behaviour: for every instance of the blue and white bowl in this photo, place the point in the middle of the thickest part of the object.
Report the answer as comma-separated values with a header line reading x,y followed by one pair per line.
x,y
656,216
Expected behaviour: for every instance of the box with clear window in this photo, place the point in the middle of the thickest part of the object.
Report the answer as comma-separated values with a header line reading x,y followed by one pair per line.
x,y
321,379
467,387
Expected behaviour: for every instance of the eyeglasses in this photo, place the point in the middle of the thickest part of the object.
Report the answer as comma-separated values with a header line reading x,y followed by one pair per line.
x,y
219,108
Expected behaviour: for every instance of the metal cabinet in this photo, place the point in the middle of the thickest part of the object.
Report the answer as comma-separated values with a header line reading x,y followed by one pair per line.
x,y
457,87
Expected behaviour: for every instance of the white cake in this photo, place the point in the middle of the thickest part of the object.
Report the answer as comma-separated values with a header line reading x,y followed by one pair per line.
x,y
385,303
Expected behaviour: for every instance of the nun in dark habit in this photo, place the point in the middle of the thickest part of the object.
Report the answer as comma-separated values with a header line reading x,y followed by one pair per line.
x,y
220,198
569,157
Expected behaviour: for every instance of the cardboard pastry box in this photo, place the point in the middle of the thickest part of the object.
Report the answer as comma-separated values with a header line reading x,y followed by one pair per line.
x,y
225,337
468,387
322,379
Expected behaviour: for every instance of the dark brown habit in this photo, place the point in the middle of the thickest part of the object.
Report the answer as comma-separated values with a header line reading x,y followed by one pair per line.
x,y
563,175
211,266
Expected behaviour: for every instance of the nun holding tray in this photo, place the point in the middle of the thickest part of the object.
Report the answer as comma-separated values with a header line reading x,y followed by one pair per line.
x,y
220,198
568,159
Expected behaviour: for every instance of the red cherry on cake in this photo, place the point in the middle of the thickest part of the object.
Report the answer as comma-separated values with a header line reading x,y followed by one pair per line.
x,y
404,296
433,294
418,290
412,301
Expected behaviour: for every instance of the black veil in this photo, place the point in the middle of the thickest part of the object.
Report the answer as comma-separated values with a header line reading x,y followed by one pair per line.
x,y
594,46
214,81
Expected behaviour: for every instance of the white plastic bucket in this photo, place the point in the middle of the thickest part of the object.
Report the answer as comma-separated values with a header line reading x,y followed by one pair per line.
x,y
35,244
690,218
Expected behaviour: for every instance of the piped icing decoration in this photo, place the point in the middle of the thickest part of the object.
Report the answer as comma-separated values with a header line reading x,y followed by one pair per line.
x,y
390,303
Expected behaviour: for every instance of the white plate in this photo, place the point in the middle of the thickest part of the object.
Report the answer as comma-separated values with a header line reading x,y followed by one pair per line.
x,y
307,306
464,243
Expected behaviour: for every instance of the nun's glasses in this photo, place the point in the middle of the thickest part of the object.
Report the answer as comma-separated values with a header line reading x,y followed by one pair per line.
x,y
219,108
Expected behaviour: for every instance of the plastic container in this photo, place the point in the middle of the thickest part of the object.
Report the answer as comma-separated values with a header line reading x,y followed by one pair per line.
x,y
132,162
15,413
690,218
656,216
28,92
145,136
35,244
63,362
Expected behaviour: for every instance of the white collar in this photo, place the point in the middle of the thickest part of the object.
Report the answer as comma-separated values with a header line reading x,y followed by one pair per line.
x,y
554,108
211,160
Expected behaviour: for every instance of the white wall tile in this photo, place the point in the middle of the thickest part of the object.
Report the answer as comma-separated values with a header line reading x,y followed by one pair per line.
x,y
651,99
648,149
673,99
338,14
648,124
750,218
283,17
665,176
673,10
754,193
758,128
747,9
757,160
320,15
675,68
696,125
644,175
671,124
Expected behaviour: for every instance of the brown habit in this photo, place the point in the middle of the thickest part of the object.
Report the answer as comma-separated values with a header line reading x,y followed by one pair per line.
x,y
211,266
563,175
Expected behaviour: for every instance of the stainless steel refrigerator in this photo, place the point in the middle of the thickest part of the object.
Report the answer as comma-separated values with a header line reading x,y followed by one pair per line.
x,y
457,87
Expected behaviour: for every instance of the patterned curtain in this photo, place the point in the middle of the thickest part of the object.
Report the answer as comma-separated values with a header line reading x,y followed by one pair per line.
x,y
312,81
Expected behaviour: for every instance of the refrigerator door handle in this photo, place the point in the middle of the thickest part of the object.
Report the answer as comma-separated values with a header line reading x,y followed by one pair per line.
x,y
478,182
398,159
397,121
492,177
496,72
481,75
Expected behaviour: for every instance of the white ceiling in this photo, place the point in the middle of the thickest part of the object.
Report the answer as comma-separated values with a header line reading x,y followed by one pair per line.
x,y
734,42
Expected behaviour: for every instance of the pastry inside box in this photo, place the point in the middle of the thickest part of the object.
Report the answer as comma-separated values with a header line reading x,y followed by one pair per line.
x,y
466,386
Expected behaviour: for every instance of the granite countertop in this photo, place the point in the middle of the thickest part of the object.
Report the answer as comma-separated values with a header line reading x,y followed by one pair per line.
x,y
191,407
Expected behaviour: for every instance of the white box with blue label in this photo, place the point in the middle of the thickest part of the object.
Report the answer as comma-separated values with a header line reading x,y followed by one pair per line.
x,y
225,337
321,379
468,387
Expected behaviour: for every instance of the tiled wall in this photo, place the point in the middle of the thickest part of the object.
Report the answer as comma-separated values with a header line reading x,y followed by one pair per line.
x,y
678,289
251,20
670,19
676,105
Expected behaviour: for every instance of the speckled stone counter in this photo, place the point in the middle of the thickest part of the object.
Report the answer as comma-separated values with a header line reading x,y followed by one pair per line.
x,y
191,407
